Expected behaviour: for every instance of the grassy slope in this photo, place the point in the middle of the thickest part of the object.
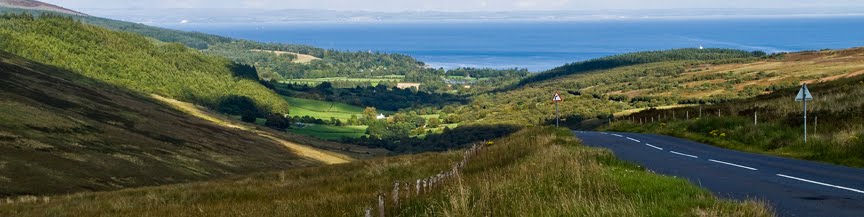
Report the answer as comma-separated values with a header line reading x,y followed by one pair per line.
x,y
304,151
665,83
131,61
61,132
836,123
539,171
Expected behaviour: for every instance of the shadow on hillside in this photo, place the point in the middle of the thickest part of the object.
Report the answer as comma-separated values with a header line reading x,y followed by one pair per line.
x,y
450,139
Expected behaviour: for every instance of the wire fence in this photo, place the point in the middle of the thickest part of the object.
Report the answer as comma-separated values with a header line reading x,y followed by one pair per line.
x,y
403,190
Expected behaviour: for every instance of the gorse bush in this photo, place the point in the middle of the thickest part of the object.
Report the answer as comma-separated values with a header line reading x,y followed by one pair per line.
x,y
131,61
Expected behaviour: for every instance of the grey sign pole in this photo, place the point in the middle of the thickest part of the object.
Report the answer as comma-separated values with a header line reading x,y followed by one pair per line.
x,y
805,119
557,98
557,116
804,96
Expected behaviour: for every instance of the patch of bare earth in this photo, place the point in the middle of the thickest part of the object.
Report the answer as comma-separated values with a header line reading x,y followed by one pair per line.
x,y
832,78
300,58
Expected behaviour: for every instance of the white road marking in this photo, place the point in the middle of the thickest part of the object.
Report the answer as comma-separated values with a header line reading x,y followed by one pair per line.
x,y
658,148
617,135
682,154
820,183
632,139
731,164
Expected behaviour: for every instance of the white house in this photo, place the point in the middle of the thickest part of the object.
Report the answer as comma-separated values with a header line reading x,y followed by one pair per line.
x,y
380,116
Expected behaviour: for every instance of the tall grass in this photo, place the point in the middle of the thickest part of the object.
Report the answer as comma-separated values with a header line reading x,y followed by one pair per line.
x,y
835,123
535,172
548,173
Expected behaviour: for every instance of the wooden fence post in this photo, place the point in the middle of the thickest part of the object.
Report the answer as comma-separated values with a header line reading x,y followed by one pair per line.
x,y
396,194
381,205
816,124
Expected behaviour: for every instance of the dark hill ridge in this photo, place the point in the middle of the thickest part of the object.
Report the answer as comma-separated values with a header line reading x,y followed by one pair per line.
x,y
61,132
37,5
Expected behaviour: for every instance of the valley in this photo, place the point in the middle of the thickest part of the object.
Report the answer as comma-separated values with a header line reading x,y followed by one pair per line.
x,y
100,117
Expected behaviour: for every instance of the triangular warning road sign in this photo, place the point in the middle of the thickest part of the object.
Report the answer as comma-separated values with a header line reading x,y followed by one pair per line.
x,y
804,94
557,98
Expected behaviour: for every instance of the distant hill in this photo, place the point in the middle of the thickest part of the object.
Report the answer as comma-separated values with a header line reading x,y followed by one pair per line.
x,y
37,5
626,84
61,132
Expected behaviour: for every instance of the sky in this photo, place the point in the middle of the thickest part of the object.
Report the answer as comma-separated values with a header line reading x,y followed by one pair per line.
x,y
457,5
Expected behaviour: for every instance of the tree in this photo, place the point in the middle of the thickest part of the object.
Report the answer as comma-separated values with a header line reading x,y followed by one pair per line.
x,y
237,105
335,121
248,116
433,122
370,114
759,53
453,119
353,120
378,129
277,121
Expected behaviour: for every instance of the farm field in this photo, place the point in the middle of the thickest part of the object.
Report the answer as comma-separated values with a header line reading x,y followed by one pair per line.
x,y
324,110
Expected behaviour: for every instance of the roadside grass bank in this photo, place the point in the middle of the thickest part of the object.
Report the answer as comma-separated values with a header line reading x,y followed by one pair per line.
x,y
538,171
771,124
739,133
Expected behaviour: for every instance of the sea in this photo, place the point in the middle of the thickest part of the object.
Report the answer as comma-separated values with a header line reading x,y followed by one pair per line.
x,y
540,46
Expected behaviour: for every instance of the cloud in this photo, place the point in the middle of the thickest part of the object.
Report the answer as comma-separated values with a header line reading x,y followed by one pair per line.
x,y
526,4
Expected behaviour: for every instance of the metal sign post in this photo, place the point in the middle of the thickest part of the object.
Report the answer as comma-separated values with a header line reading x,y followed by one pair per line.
x,y
804,96
557,98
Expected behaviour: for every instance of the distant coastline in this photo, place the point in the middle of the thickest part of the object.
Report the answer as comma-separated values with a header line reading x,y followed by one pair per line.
x,y
300,16
539,46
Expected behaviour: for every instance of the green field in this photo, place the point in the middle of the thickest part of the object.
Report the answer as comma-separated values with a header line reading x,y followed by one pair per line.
x,y
330,132
463,78
373,80
430,116
322,109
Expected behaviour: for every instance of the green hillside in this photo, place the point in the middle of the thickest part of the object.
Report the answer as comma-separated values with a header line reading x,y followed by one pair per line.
x,y
132,61
637,58
61,132
538,170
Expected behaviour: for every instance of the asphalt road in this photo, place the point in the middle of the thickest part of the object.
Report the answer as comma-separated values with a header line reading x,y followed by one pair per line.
x,y
792,187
